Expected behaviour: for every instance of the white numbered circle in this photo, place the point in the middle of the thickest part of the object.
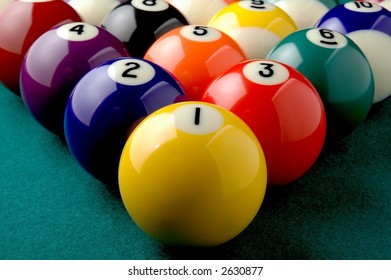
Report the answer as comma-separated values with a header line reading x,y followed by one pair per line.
x,y
77,31
131,72
258,6
326,38
200,33
198,118
150,5
363,7
266,72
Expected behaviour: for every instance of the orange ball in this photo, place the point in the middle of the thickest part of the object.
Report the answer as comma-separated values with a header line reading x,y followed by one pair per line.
x,y
195,55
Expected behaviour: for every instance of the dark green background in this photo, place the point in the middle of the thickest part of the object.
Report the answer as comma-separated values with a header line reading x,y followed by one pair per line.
x,y
50,208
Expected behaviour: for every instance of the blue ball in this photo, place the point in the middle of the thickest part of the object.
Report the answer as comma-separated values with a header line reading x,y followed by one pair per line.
x,y
355,15
107,103
369,26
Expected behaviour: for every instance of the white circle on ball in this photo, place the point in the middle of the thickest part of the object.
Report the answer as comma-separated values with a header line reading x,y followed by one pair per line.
x,y
363,7
258,6
77,31
326,38
131,72
266,72
150,5
197,118
200,33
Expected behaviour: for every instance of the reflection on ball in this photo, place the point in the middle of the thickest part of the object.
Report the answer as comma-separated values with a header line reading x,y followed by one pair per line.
x,y
192,174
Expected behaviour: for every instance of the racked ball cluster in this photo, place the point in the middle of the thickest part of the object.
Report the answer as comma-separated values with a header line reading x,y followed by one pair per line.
x,y
191,109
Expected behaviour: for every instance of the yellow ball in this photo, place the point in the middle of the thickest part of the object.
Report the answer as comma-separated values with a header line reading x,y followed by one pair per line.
x,y
192,174
257,26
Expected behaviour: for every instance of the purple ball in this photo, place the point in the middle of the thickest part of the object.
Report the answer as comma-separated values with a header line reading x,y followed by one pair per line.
x,y
54,64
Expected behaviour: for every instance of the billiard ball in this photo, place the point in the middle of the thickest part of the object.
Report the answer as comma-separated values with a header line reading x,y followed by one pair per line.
x,y
282,108
107,103
200,12
305,13
384,3
92,11
255,25
338,69
196,55
139,23
21,23
369,26
192,174
56,61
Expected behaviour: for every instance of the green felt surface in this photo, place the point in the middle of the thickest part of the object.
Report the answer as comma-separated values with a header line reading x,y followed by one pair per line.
x,y
50,208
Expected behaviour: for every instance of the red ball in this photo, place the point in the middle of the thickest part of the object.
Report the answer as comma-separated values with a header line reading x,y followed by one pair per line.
x,y
195,55
21,23
283,109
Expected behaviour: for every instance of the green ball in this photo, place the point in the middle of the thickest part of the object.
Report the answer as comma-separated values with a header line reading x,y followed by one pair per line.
x,y
339,71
